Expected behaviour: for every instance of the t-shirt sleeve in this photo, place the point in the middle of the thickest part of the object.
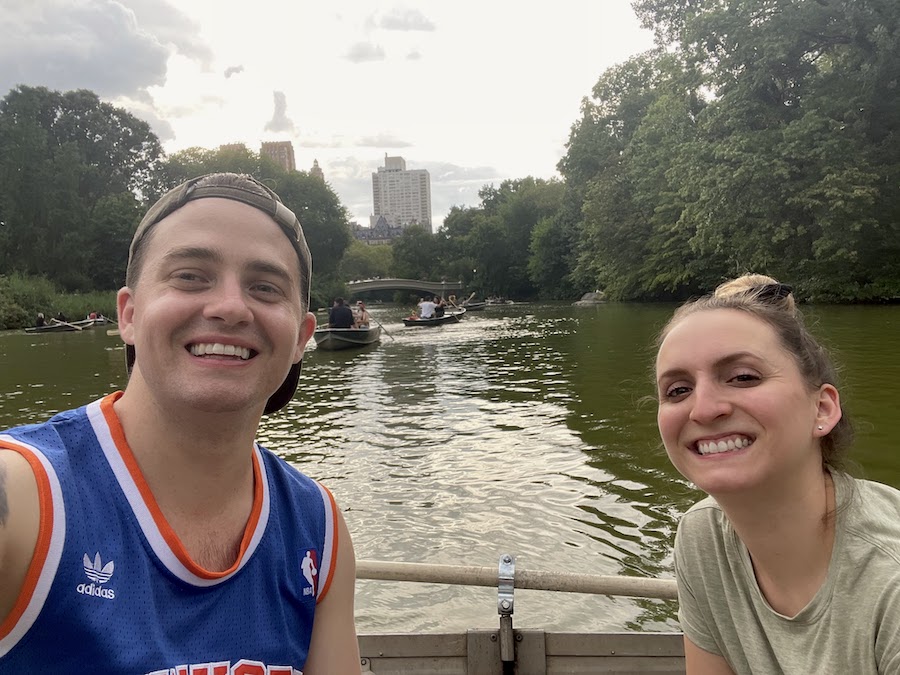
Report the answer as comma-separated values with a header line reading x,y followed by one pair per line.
x,y
693,604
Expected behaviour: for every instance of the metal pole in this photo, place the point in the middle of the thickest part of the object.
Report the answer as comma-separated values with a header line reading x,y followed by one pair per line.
x,y
566,582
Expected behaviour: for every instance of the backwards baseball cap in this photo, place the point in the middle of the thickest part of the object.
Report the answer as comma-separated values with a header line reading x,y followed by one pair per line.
x,y
240,188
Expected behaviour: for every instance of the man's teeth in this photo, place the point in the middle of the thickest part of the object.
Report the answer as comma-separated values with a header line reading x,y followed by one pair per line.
x,y
217,348
712,447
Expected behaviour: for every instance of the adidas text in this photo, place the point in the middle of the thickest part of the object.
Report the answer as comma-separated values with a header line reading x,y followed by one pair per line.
x,y
96,590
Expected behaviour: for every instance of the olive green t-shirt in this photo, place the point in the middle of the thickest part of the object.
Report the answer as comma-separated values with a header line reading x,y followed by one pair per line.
x,y
850,627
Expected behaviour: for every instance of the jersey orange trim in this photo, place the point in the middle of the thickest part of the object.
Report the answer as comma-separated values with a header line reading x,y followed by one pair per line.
x,y
42,546
334,546
118,436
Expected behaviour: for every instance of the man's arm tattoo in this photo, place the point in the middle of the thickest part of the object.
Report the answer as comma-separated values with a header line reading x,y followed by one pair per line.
x,y
4,503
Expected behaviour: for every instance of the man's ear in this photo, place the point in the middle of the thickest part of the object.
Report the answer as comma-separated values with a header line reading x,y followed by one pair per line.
x,y
125,313
307,328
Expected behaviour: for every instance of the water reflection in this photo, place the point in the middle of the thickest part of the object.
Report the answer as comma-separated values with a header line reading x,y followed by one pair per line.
x,y
518,430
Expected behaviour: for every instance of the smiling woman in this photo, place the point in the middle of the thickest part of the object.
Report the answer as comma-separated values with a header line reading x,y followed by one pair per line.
x,y
768,566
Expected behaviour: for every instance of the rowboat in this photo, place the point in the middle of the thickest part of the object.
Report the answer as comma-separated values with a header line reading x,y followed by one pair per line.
x,y
57,326
449,317
332,339
524,652
473,306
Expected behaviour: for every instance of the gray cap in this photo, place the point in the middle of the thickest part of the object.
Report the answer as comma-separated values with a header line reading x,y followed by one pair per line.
x,y
248,190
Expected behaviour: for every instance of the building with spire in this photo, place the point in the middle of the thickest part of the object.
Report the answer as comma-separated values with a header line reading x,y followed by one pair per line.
x,y
316,171
281,152
401,197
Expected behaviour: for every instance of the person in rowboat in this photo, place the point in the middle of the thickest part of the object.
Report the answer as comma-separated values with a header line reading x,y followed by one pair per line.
x,y
362,315
340,316
790,565
148,532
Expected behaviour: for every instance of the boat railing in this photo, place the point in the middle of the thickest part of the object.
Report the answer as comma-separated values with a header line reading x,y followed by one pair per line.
x,y
470,575
529,652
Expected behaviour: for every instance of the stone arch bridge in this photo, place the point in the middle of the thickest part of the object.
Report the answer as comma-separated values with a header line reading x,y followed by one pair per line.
x,y
442,288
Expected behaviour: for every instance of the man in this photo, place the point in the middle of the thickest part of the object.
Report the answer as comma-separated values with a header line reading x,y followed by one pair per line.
x,y
340,315
426,308
147,532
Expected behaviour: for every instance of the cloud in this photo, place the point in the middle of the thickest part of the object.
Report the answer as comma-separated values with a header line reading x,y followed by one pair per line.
x,y
112,48
233,70
365,51
280,121
414,55
382,141
405,19
116,48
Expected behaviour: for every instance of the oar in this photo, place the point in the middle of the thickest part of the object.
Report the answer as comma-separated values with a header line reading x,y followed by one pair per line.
x,y
382,327
112,331
66,323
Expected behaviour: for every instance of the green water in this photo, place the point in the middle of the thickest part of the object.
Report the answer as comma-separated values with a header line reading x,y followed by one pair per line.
x,y
520,430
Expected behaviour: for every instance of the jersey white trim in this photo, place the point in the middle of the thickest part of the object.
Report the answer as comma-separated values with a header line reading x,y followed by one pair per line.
x,y
142,512
54,553
328,544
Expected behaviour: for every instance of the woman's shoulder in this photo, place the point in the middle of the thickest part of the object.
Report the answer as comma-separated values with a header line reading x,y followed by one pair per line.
x,y
705,520
874,516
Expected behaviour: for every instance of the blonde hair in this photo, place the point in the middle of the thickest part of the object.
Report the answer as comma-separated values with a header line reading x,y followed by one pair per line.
x,y
772,302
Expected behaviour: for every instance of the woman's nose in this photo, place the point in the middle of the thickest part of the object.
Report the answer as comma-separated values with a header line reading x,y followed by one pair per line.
x,y
708,403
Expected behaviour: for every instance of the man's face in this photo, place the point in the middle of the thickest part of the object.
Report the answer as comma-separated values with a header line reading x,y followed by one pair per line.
x,y
216,317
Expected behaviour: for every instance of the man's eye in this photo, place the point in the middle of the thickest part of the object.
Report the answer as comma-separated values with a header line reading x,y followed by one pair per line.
x,y
266,289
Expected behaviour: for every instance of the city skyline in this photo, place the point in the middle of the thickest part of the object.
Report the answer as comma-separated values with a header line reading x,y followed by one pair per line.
x,y
475,93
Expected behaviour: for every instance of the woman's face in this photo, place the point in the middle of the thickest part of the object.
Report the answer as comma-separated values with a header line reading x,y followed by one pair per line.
x,y
735,413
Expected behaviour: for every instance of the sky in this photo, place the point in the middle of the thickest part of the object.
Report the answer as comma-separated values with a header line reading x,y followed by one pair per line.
x,y
474,91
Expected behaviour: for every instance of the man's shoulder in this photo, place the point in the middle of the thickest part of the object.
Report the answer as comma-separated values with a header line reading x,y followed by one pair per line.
x,y
34,431
280,468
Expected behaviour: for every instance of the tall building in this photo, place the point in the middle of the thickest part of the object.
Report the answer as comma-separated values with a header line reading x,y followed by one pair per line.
x,y
400,196
282,152
316,171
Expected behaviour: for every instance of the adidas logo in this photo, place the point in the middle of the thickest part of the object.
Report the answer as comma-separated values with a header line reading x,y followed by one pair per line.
x,y
99,574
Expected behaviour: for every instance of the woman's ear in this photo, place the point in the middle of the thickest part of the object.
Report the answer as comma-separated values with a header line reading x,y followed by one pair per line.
x,y
828,410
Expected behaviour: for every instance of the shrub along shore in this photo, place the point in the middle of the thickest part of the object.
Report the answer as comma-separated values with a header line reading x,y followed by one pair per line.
x,y
21,298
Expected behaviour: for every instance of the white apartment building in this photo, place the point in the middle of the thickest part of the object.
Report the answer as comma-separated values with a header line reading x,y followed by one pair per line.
x,y
402,197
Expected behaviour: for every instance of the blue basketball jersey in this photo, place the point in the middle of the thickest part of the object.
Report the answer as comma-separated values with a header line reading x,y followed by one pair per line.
x,y
111,589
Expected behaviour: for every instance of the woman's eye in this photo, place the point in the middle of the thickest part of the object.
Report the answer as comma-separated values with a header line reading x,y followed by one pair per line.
x,y
675,392
744,378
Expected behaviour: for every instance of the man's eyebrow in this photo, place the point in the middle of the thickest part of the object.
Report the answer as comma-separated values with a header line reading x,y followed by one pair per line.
x,y
267,267
193,252
208,254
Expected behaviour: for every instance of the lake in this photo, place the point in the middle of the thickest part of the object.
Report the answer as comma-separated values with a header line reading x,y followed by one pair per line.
x,y
524,429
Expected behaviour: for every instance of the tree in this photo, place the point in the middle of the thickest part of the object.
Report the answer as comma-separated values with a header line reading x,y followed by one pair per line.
x,y
61,156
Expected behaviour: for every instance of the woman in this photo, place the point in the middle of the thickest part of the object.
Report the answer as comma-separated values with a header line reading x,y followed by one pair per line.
x,y
362,315
790,565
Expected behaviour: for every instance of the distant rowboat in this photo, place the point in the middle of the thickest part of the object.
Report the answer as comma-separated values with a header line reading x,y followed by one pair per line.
x,y
448,317
332,339
57,326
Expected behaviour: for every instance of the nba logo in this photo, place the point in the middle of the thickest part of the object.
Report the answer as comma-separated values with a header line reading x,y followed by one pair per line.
x,y
310,568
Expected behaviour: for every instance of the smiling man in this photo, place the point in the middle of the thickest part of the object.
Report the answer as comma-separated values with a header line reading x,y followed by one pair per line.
x,y
147,532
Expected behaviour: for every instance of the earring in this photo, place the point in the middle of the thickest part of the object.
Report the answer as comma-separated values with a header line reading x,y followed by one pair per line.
x,y
820,427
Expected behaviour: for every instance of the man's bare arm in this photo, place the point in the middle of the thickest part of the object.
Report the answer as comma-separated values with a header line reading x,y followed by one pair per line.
x,y
334,647
19,525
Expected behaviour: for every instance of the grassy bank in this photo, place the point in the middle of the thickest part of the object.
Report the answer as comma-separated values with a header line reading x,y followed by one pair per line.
x,y
21,298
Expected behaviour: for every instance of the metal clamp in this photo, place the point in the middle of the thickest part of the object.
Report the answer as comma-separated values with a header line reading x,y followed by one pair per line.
x,y
505,606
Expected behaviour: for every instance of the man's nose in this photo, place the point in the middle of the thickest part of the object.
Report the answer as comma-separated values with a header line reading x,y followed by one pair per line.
x,y
229,302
